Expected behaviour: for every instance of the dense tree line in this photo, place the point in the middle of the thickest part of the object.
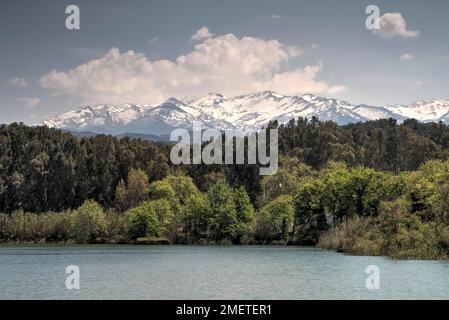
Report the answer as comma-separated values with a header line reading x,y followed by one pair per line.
x,y
382,144
369,188
45,169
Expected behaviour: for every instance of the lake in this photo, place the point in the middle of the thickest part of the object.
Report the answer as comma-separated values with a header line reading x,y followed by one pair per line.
x,y
212,272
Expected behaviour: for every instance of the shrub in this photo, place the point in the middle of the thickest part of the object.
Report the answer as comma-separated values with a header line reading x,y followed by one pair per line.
x,y
353,235
116,227
396,232
20,226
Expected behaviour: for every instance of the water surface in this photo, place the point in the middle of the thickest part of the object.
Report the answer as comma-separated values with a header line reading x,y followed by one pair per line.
x,y
210,272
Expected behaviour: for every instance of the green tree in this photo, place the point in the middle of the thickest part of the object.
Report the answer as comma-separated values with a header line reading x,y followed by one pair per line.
x,y
310,215
197,217
191,213
335,192
143,221
167,218
121,197
289,179
134,192
274,222
223,212
430,188
244,213
370,187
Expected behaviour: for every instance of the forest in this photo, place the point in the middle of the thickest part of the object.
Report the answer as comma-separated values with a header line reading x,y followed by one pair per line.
x,y
373,188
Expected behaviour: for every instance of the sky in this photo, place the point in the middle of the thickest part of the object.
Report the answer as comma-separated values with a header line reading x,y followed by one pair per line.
x,y
143,52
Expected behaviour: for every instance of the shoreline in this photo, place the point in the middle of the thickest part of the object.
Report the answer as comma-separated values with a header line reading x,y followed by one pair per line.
x,y
74,244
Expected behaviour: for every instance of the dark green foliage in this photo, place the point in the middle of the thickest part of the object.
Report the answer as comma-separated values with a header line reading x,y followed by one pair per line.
x,y
61,171
44,169
381,144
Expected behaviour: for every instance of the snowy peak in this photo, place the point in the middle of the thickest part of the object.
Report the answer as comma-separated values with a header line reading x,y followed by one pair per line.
x,y
426,111
245,112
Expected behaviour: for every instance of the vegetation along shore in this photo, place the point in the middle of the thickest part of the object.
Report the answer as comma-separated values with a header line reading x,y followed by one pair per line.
x,y
374,188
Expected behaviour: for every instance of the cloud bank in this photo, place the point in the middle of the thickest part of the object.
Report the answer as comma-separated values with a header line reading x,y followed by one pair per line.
x,y
225,64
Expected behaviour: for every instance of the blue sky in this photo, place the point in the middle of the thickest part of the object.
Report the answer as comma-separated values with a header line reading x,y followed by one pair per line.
x,y
292,47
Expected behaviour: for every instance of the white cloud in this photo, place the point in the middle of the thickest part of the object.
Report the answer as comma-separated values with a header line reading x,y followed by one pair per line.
x,y
275,16
407,56
394,25
18,82
202,34
29,102
224,64
315,45
288,82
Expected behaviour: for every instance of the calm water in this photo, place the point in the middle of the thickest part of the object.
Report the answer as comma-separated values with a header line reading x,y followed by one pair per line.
x,y
189,272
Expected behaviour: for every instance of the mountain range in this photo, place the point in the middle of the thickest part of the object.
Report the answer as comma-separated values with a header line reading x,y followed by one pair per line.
x,y
246,112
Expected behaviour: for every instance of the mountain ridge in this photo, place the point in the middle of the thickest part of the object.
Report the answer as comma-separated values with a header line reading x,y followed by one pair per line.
x,y
244,112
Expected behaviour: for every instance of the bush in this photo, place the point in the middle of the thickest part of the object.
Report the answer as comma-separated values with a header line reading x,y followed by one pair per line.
x,y
20,226
116,227
89,223
396,232
352,236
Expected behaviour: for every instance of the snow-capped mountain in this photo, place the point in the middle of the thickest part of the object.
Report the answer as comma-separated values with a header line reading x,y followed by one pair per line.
x,y
247,112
